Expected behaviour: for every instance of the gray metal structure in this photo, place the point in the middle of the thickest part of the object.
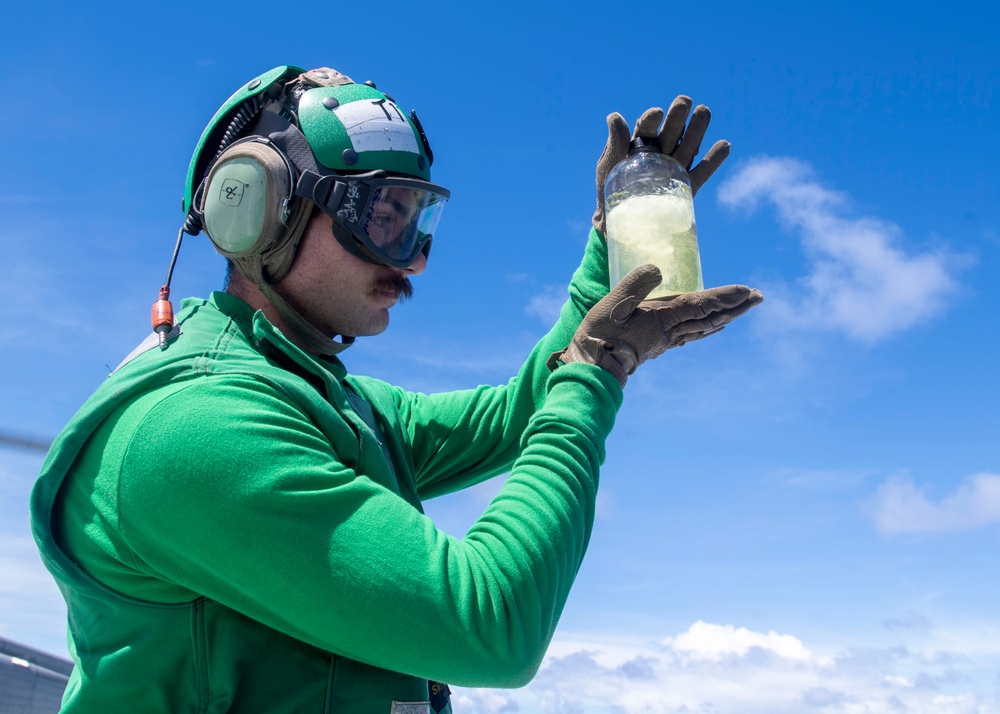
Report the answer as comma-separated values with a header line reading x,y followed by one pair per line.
x,y
31,681
24,442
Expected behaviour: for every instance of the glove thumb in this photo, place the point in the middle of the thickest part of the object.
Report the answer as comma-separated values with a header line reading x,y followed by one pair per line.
x,y
632,290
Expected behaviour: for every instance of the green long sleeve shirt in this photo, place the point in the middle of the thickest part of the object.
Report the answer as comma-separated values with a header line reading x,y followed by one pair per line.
x,y
230,532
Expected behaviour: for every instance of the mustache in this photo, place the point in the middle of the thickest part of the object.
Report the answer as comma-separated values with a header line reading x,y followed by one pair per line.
x,y
395,283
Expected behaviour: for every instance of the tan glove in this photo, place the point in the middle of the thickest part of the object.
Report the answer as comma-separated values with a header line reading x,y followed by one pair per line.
x,y
672,139
621,331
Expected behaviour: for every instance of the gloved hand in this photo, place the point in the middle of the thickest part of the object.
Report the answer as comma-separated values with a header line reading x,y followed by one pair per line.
x,y
672,139
621,331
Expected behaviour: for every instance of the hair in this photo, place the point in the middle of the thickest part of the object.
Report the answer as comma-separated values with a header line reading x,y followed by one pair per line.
x,y
231,270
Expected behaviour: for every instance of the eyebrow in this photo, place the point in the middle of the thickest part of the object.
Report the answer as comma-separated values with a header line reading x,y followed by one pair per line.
x,y
401,207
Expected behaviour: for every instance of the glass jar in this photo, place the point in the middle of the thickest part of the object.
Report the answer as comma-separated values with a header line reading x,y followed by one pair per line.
x,y
650,219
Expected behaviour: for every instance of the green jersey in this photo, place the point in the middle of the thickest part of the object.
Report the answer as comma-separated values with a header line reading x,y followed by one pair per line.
x,y
236,525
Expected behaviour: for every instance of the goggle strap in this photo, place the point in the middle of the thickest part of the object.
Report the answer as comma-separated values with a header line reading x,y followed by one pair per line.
x,y
325,191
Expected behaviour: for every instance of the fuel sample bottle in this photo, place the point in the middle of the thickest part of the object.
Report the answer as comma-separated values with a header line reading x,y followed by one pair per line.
x,y
650,219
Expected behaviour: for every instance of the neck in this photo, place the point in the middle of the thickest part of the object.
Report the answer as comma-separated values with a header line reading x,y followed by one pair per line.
x,y
249,293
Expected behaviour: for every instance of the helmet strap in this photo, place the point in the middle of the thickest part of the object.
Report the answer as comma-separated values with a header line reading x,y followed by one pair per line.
x,y
314,340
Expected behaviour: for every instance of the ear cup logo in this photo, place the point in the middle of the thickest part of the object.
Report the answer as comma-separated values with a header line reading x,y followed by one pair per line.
x,y
244,195
231,192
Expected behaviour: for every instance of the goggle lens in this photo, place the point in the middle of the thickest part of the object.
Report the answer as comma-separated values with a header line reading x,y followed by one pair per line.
x,y
400,220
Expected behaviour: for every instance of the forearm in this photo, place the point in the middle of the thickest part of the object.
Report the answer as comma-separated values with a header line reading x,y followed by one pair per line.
x,y
460,438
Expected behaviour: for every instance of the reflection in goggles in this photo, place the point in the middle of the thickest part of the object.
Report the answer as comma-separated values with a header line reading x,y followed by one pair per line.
x,y
400,220
392,212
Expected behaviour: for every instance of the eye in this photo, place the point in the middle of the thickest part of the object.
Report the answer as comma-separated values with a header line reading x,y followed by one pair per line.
x,y
381,219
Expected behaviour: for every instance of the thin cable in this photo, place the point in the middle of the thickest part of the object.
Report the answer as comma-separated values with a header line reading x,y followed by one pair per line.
x,y
173,258
162,315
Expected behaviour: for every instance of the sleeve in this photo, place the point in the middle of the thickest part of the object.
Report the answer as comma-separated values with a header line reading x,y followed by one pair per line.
x,y
461,438
256,512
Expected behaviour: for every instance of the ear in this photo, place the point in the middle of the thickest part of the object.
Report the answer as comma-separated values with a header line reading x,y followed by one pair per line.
x,y
246,197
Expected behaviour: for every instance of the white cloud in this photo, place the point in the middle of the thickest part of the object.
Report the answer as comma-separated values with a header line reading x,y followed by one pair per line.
x,y
547,304
484,701
725,669
862,281
912,621
705,641
899,506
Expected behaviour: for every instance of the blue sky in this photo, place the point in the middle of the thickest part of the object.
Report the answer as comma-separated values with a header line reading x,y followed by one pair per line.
x,y
800,513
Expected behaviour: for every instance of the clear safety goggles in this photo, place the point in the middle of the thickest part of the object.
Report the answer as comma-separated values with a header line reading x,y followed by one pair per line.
x,y
392,220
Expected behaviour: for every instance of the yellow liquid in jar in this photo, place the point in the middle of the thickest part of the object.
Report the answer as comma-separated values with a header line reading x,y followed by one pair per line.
x,y
656,229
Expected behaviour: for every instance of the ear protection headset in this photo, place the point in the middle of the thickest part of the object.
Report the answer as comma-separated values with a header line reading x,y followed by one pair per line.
x,y
245,201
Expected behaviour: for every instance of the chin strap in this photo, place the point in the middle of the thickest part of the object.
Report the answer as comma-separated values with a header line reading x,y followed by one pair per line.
x,y
315,341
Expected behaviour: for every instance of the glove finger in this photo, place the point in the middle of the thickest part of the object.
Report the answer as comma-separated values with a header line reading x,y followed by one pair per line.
x,y
704,310
708,165
705,326
724,317
615,150
705,302
712,322
618,137
680,339
648,123
691,337
690,143
632,290
673,127
670,336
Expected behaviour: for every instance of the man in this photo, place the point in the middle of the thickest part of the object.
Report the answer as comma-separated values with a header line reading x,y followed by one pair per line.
x,y
235,521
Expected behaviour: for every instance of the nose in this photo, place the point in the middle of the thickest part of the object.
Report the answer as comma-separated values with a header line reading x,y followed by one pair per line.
x,y
418,265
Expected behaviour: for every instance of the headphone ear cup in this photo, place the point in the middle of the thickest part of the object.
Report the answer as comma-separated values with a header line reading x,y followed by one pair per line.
x,y
245,199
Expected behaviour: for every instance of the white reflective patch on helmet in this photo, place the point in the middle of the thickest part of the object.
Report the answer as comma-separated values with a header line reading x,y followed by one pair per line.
x,y
377,125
